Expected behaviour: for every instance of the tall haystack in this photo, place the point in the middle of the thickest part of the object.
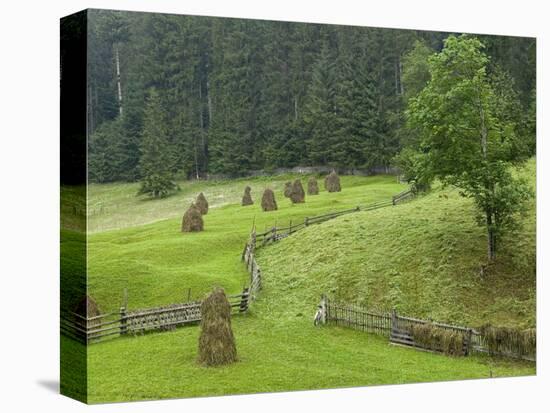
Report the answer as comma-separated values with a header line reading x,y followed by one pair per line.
x,y
192,220
87,308
247,198
332,182
288,189
202,204
216,341
312,187
268,201
297,195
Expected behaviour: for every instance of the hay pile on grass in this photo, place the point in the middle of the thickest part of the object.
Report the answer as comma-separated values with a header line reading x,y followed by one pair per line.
x,y
332,182
506,339
297,195
87,307
247,198
216,341
202,204
192,220
435,338
312,187
268,201
288,189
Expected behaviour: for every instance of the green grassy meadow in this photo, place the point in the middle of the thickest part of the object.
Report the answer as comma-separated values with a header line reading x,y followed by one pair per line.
x,y
421,257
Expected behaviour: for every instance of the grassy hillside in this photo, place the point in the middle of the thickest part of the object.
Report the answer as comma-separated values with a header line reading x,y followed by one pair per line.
x,y
157,263
422,258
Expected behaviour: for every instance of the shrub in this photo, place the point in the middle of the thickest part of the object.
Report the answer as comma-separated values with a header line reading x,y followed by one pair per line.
x,y
216,341
504,339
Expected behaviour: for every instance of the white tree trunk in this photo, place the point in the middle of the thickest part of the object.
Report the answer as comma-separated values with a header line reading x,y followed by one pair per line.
x,y
119,87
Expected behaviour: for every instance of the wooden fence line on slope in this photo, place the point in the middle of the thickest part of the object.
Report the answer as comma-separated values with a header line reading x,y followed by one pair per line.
x,y
277,233
399,329
93,329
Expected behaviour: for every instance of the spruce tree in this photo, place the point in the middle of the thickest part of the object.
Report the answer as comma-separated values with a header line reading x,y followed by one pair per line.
x,y
157,179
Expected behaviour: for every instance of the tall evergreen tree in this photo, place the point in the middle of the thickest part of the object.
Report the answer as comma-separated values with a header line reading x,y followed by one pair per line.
x,y
157,178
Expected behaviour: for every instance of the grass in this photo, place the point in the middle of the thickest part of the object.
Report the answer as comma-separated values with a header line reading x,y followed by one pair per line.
x,y
422,258
158,264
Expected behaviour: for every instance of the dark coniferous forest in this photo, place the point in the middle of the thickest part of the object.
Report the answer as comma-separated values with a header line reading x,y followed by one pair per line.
x,y
202,96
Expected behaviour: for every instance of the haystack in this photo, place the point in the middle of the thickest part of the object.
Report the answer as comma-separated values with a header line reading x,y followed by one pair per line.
x,y
247,198
202,204
297,195
216,341
87,308
312,187
192,220
268,201
332,182
288,189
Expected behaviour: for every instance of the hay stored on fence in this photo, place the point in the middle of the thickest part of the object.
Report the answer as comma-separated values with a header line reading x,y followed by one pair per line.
x,y
268,200
332,182
435,338
506,339
216,342
202,204
192,220
288,189
247,198
297,195
312,186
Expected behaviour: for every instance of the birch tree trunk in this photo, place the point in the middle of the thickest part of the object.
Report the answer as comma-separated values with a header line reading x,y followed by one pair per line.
x,y
119,87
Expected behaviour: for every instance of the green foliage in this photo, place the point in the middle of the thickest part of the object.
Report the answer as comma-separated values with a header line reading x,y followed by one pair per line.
x,y
155,163
428,245
467,133
244,94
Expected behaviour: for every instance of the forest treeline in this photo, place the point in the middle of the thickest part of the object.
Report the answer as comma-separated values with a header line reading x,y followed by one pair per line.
x,y
203,95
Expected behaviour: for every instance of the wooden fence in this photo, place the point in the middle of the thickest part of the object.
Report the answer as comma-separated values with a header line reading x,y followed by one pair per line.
x,y
93,329
399,329
278,233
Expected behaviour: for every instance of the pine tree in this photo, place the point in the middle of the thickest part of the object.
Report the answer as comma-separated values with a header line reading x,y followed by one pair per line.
x,y
157,178
320,116
357,117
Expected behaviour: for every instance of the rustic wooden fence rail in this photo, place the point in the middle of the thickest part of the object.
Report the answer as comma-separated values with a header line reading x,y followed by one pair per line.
x,y
399,329
92,329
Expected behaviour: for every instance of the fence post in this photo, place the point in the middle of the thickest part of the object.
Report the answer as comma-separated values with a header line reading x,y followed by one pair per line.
x,y
244,301
468,339
393,320
323,309
123,325
306,221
